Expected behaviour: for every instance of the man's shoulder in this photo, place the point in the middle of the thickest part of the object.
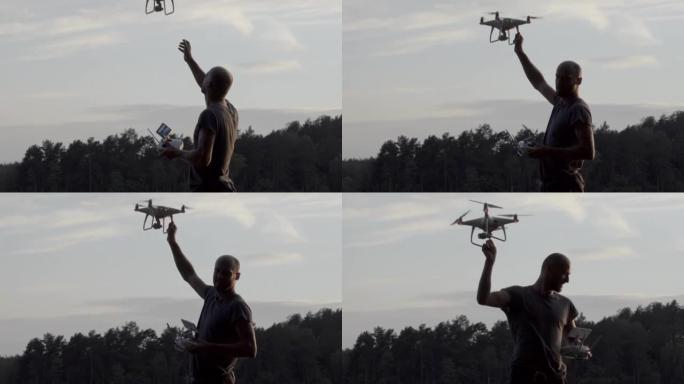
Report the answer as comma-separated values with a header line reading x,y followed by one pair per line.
x,y
562,298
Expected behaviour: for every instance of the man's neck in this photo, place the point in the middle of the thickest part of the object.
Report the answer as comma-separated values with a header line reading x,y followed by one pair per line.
x,y
227,294
541,288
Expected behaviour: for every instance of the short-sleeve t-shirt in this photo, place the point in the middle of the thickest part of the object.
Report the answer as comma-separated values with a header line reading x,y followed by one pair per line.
x,y
221,119
537,322
217,324
560,133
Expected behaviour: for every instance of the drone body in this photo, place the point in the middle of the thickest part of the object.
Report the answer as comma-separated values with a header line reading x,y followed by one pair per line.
x,y
487,224
159,214
159,6
503,25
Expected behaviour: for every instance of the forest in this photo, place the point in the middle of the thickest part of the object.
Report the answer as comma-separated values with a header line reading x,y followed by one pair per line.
x,y
646,157
644,346
301,157
302,350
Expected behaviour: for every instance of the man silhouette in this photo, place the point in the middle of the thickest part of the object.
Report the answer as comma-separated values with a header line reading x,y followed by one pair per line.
x,y
539,317
215,132
569,138
226,331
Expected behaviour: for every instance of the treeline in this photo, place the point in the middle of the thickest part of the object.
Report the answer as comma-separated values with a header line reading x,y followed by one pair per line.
x,y
303,349
641,346
647,157
300,157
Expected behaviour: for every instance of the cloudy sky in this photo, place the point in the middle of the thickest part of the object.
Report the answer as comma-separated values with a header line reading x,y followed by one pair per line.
x,y
426,67
405,265
77,68
76,262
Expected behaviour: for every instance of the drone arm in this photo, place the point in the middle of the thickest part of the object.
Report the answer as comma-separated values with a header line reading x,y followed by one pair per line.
x,y
535,76
186,269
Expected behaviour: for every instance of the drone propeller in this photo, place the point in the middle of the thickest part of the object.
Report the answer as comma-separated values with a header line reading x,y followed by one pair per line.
x,y
534,17
492,13
488,204
460,217
513,215
184,207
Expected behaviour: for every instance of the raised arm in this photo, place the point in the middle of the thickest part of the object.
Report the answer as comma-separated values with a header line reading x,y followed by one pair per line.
x,y
484,295
197,72
533,74
183,264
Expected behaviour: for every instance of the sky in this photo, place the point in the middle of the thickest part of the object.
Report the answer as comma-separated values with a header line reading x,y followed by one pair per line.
x,y
405,265
76,68
423,68
76,262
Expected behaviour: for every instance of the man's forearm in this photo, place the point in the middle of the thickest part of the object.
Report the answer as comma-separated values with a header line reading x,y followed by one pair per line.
x,y
485,286
197,72
240,349
182,263
577,152
533,74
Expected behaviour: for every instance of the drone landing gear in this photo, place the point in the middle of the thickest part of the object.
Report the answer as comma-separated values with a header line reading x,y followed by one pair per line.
x,y
158,6
485,235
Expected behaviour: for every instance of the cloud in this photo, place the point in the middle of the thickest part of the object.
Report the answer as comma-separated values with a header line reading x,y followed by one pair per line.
x,y
602,254
271,259
398,232
69,239
424,41
280,227
269,67
627,62
71,45
232,208
612,221
222,13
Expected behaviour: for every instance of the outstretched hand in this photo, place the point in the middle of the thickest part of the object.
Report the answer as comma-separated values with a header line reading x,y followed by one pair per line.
x,y
489,250
518,43
184,46
171,231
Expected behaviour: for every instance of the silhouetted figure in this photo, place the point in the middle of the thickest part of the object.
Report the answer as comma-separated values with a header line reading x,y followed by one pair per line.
x,y
538,315
216,130
226,331
569,138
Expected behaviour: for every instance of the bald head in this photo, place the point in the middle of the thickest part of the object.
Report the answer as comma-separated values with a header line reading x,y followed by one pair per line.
x,y
555,260
228,262
217,82
571,68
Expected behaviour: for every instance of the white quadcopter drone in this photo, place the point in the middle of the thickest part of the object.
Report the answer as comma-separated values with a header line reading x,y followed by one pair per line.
x,y
159,214
487,224
503,25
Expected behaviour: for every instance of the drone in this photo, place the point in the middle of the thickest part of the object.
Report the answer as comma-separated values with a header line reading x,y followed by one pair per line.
x,y
487,224
159,214
504,25
158,6
575,349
